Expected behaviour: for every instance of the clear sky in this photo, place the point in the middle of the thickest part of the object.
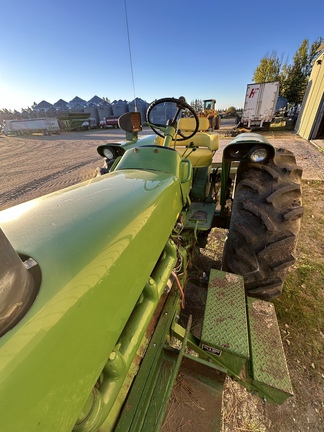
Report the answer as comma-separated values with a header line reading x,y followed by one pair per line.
x,y
60,49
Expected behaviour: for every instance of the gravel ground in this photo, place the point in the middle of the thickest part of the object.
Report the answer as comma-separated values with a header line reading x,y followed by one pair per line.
x,y
36,165
308,156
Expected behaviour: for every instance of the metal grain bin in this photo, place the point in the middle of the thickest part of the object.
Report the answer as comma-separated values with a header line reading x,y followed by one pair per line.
x,y
105,110
119,107
141,107
93,110
163,112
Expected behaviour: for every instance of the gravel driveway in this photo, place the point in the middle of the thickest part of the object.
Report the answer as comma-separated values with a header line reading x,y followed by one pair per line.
x,y
36,165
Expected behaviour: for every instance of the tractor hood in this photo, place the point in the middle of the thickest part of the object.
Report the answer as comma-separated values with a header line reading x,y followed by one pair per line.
x,y
96,245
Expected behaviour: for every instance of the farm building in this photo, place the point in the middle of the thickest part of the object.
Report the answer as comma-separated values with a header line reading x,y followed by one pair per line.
x,y
310,123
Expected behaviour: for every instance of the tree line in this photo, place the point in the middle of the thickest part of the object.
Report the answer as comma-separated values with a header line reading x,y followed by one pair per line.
x,y
293,77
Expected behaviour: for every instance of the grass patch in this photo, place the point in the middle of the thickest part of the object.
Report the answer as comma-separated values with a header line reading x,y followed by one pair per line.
x,y
301,304
300,307
282,126
300,316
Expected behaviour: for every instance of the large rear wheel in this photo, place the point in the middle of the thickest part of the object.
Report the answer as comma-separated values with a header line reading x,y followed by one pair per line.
x,y
265,224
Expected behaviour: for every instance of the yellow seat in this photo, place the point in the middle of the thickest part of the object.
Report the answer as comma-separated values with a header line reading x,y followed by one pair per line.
x,y
201,157
189,123
206,143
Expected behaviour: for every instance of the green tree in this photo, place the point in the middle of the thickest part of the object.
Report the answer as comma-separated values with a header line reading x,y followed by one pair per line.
x,y
197,105
294,78
268,69
231,111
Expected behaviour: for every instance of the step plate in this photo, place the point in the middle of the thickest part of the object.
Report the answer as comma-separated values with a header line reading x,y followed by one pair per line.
x,y
225,322
268,359
201,214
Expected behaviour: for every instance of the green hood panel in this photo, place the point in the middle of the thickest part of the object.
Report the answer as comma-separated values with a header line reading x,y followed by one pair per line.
x,y
96,244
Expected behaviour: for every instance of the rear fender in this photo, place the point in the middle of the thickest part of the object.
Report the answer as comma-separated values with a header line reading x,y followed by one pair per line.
x,y
242,148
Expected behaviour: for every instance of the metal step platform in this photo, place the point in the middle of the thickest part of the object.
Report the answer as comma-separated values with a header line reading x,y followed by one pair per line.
x,y
200,216
269,368
225,329
244,334
240,338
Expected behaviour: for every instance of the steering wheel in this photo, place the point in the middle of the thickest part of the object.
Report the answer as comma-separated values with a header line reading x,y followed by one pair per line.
x,y
181,105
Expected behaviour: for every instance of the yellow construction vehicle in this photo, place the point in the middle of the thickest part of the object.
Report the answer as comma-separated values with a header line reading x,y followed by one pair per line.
x,y
211,113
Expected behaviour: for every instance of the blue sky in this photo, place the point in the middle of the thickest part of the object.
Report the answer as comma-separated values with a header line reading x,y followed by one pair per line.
x,y
60,49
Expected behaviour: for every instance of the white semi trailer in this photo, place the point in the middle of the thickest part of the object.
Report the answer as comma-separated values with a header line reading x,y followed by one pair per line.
x,y
24,127
260,103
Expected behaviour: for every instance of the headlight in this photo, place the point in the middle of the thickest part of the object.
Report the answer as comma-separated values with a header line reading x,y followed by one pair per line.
x,y
108,153
258,154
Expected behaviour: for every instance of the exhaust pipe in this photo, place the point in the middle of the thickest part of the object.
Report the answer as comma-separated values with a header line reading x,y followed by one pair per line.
x,y
18,287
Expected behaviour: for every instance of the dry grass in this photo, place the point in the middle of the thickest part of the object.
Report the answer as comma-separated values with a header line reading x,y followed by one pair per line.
x,y
300,308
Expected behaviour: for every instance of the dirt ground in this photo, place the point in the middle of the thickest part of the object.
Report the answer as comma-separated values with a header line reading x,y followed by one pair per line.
x,y
33,166
36,165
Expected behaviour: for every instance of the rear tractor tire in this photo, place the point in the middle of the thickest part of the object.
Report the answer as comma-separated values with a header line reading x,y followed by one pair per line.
x,y
217,122
265,224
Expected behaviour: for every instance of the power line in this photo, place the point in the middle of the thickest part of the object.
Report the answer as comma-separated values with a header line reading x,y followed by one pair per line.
x,y
130,56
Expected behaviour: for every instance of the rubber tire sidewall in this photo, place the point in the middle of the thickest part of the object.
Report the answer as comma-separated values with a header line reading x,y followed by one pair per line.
x,y
265,224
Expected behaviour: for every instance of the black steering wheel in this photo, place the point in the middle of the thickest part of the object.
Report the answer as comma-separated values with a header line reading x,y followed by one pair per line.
x,y
181,105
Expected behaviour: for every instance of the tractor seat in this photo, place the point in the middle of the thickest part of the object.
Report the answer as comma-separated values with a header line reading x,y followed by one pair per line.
x,y
206,144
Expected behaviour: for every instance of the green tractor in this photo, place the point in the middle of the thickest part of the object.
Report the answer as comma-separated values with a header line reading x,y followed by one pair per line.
x,y
94,277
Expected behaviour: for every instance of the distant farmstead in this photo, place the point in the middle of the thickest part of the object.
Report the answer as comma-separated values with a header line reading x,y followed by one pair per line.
x,y
72,114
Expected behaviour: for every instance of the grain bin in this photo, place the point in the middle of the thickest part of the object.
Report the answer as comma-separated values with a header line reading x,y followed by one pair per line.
x,y
105,110
141,107
163,112
119,107
93,110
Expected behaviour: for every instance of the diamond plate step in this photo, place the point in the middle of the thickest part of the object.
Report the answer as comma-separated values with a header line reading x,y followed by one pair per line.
x,y
201,214
225,330
268,361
